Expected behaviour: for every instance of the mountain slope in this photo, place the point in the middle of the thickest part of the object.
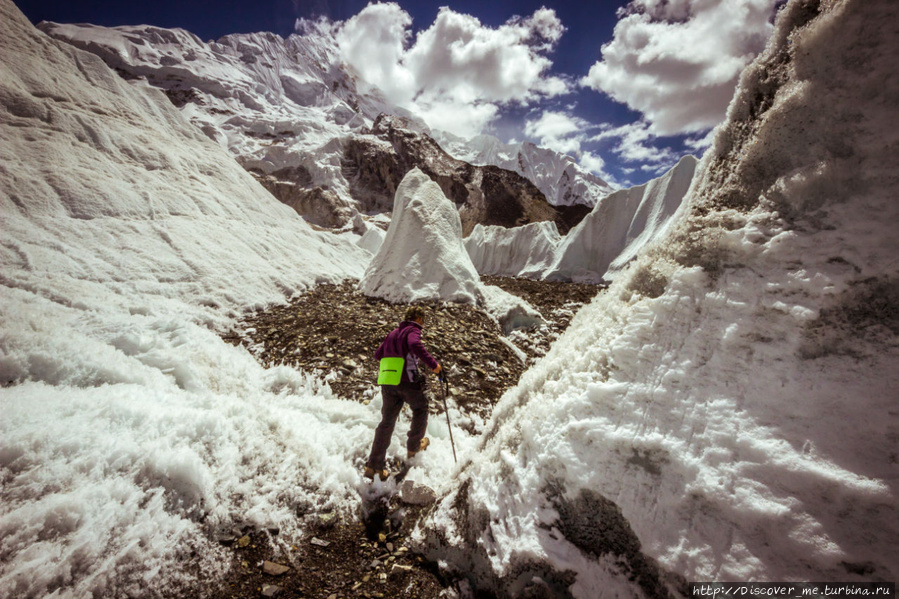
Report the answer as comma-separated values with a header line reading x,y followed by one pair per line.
x,y
558,176
291,115
726,410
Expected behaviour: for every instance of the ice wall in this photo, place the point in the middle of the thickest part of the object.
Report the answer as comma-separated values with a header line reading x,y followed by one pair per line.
x,y
525,251
727,410
621,225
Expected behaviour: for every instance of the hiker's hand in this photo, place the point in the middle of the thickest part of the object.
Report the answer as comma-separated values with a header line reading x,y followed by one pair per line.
x,y
438,369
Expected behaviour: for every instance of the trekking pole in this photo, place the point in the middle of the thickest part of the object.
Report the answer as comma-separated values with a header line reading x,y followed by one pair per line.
x,y
443,379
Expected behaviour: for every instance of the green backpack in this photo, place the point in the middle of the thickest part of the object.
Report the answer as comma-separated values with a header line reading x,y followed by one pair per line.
x,y
391,371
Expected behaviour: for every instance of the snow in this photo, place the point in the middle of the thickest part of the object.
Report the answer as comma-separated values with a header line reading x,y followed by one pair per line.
x,y
275,103
733,392
620,226
525,251
131,432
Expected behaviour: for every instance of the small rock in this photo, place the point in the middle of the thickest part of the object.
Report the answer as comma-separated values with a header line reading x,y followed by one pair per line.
x,y
243,541
389,546
382,537
319,542
270,590
375,563
327,520
273,569
332,596
350,364
412,493
399,570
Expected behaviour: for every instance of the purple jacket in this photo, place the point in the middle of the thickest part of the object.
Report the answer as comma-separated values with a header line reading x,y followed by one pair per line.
x,y
405,342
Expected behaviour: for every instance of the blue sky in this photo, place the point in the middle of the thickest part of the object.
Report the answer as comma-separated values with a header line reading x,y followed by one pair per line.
x,y
627,111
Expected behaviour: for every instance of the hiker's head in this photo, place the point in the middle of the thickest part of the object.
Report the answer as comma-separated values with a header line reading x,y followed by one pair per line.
x,y
416,313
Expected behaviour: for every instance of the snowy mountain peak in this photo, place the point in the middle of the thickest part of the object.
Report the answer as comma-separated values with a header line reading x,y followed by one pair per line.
x,y
558,176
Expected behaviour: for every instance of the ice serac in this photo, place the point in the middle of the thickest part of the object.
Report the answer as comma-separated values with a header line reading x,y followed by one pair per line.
x,y
525,251
727,409
129,429
422,257
620,225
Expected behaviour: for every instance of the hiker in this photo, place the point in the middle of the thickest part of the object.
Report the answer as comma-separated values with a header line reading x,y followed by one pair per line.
x,y
401,355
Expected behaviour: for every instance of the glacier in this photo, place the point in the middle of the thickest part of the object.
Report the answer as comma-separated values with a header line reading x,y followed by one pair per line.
x,y
726,410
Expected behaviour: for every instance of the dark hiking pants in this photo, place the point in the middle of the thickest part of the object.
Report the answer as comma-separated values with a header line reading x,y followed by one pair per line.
x,y
393,398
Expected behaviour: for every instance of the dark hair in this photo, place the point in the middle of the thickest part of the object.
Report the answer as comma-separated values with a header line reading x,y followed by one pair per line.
x,y
414,313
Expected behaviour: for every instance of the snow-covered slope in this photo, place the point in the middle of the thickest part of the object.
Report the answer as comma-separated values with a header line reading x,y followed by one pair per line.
x,y
283,107
290,113
558,176
727,409
517,252
130,431
620,225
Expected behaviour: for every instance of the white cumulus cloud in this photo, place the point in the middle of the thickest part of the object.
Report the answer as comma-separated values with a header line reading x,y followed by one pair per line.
x,y
557,131
677,61
457,73
634,146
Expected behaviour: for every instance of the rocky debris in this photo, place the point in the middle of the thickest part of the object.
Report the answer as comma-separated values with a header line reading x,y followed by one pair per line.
x,y
333,331
375,164
558,302
352,565
412,493
397,571
293,186
274,569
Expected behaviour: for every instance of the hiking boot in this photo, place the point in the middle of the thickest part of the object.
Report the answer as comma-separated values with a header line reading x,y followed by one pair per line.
x,y
424,445
382,474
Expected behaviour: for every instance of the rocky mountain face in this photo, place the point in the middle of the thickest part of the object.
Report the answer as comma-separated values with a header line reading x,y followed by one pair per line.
x,y
375,164
561,179
291,115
